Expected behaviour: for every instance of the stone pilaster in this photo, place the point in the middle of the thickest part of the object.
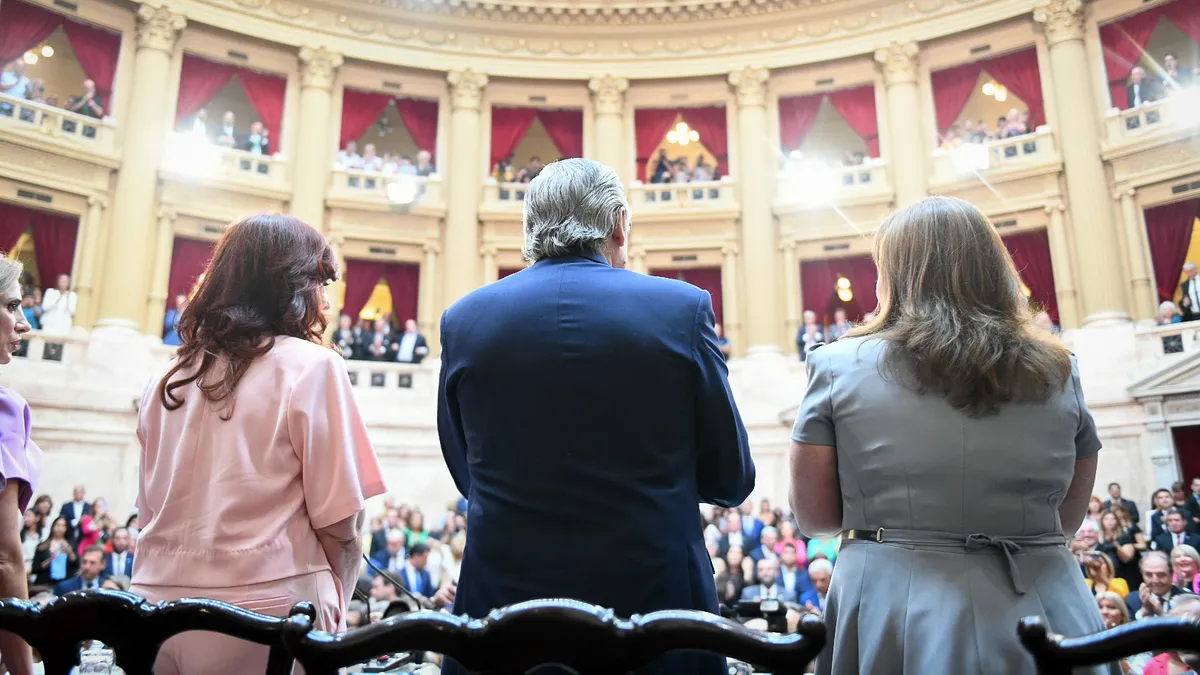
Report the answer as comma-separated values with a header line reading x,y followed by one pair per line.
x,y
608,108
909,146
462,267
312,159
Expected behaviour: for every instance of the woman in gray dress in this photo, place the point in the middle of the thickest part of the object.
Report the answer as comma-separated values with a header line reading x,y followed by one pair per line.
x,y
948,440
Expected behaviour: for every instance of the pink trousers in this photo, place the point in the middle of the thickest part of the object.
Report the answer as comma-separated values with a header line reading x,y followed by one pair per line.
x,y
205,653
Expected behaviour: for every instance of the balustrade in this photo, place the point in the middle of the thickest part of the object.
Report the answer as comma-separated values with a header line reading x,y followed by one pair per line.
x,y
713,194
1174,114
815,184
191,157
1157,345
994,158
60,126
355,185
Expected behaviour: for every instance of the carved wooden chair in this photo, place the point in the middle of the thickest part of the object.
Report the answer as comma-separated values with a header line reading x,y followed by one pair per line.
x,y
1058,655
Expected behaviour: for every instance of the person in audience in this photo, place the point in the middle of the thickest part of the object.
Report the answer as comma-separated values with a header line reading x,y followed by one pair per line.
x,y
91,572
37,90
1189,291
370,160
954,388
793,574
1158,593
737,561
1141,90
768,587
120,561
424,165
380,344
348,157
1162,502
391,557
1173,661
1018,124
32,311
788,537
840,325
383,592
257,141
414,575
1101,575
171,321
1175,76
88,103
1115,613
810,334
199,124
253,422
55,558
577,316
94,525
766,547
1176,534
1129,524
414,529
74,511
824,547
347,338
820,572
1185,560
1118,544
1191,505
58,307
392,523
1168,313
227,133
31,536
1114,497
1095,510
411,347
734,535
44,506
14,82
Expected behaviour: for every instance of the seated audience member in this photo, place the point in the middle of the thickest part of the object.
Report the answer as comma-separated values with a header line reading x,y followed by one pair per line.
x,y
227,133
737,562
1176,534
1175,76
390,558
1115,613
116,582
820,571
766,548
14,82
768,587
1185,560
425,166
383,592
411,346
788,537
392,522
257,141
1173,662
1163,504
839,327
792,574
171,321
55,559
348,158
414,575
1114,494
91,572
88,103
1168,313
1141,89
120,561
1158,592
1102,576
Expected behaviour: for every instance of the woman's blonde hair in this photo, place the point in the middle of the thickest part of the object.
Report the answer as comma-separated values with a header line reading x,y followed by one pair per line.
x,y
953,312
1117,601
10,271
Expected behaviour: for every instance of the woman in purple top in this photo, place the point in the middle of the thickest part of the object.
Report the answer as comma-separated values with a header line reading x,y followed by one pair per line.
x,y
20,467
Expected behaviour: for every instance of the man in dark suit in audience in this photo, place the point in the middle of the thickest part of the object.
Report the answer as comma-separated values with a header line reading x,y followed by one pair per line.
x,y
1141,89
1114,493
588,406
91,572
1176,533
120,561
768,587
1189,302
390,558
411,346
1158,593
735,534
766,547
792,576
414,575
74,511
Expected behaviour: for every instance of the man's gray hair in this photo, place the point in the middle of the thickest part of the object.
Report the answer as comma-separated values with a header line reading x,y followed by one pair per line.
x,y
820,565
573,207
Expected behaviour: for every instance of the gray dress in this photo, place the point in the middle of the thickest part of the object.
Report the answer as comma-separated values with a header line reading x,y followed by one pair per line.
x,y
943,592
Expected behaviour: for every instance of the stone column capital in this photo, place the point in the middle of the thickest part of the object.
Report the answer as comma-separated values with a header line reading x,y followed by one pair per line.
x,y
168,214
608,94
1124,193
98,200
466,89
158,28
637,253
729,250
318,67
1061,20
1054,207
337,240
431,248
898,61
750,85
787,246
489,249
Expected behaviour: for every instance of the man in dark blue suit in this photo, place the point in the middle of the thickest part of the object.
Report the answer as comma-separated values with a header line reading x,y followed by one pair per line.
x,y
588,406
91,572
120,561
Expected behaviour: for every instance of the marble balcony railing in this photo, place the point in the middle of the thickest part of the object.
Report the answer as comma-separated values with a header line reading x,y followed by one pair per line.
x,y
1175,114
54,125
995,159
713,194
193,159
352,187
816,185
1158,346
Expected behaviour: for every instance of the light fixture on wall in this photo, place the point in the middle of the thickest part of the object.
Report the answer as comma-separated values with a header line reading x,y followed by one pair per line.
x,y
30,58
682,135
47,51
995,90
844,293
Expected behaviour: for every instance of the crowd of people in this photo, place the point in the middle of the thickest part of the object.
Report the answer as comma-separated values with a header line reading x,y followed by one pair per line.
x,y
256,140
977,132
679,170
379,340
15,83
388,164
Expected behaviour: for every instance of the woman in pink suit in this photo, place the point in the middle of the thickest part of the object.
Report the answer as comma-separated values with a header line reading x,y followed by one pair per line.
x,y
255,460
20,467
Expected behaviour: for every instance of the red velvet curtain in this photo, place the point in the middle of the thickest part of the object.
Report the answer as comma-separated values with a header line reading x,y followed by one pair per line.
x,y
54,245
650,126
97,51
421,118
710,123
404,282
14,221
1185,14
857,107
199,81
266,93
22,27
952,88
360,109
361,277
565,128
704,278
1030,252
1169,231
1187,449
509,126
1018,72
189,257
1123,42
797,114
818,285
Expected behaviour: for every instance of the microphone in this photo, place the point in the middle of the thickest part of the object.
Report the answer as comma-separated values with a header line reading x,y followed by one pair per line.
x,y
422,601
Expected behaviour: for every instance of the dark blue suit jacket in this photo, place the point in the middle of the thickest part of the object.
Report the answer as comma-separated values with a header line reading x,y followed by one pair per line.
x,y
108,565
75,583
589,407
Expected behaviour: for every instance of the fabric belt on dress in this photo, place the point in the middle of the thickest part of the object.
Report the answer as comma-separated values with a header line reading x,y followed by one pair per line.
x,y
930,539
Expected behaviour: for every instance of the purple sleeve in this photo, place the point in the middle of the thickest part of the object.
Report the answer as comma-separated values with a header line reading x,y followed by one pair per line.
x,y
20,458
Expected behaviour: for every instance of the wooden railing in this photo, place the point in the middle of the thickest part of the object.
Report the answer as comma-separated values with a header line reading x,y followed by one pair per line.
x,y
58,124
586,638
1176,112
1016,152
711,194
371,186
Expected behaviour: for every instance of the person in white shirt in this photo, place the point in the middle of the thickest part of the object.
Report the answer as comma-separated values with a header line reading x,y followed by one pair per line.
x,y
227,135
413,347
820,571
767,588
200,124
15,82
349,157
120,561
58,307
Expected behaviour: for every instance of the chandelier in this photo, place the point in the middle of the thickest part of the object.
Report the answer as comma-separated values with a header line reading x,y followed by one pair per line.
x,y
31,56
996,91
843,290
682,135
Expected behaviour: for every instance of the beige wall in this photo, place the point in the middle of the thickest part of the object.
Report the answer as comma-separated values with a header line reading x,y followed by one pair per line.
x,y
61,72
397,140
536,143
983,107
831,137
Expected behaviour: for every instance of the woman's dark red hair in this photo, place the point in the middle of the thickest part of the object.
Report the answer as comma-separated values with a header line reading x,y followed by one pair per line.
x,y
264,280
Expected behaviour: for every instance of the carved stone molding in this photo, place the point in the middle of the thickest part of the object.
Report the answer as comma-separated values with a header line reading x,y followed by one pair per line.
x,y
750,84
158,27
1124,193
432,248
1061,20
729,250
489,250
1051,208
466,89
318,67
608,94
98,200
898,61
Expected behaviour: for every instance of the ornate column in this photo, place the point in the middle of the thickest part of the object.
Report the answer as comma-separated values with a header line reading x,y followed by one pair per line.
x,y
160,276
491,271
90,250
755,182
1060,260
462,273
312,160
637,260
1141,285
909,149
428,313
1099,253
608,106
337,290
791,288
731,322
124,275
